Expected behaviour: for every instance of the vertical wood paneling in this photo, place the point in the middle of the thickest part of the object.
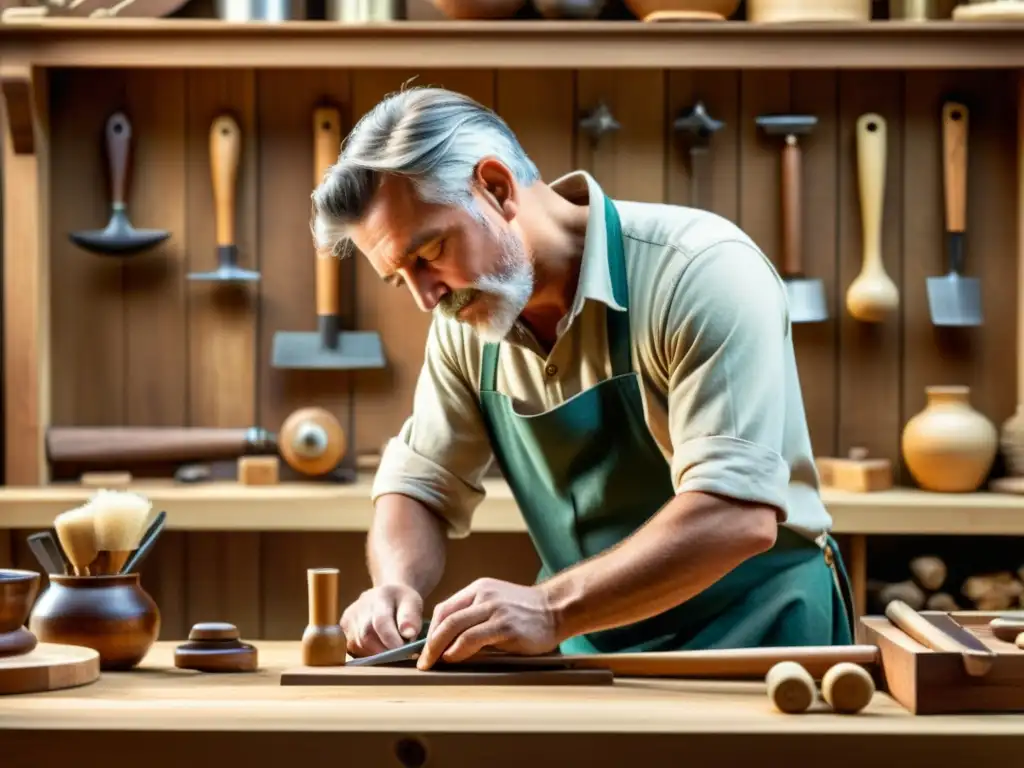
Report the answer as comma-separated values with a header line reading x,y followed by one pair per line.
x,y
630,163
718,176
87,296
385,397
538,104
869,353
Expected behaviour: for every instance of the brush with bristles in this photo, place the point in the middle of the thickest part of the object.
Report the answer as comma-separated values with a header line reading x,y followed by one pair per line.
x,y
118,519
77,537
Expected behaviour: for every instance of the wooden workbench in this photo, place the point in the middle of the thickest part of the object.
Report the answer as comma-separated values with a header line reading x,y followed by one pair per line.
x,y
167,717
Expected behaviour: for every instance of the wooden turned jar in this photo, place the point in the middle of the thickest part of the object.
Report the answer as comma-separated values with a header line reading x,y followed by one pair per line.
x,y
113,615
949,446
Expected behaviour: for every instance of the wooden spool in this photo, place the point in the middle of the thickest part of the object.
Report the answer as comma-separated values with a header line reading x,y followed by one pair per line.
x,y
215,647
49,667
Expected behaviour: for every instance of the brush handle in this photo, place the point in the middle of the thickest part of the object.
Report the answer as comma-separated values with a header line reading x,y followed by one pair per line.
x,y
170,444
954,156
119,138
45,549
871,143
225,151
326,145
147,543
792,245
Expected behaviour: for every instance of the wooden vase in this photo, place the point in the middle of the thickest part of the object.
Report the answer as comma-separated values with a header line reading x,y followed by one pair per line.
x,y
949,446
113,615
18,590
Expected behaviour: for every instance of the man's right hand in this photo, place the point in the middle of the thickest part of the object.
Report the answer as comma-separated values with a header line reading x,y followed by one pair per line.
x,y
382,618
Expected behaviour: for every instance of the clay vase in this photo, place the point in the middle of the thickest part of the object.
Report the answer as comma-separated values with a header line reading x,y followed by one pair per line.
x,y
113,615
949,446
17,591
479,9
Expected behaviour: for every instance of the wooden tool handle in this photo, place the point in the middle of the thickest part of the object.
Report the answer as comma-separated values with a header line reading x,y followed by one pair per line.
x,y
954,155
127,444
740,663
920,629
871,145
119,139
323,589
792,255
326,145
225,151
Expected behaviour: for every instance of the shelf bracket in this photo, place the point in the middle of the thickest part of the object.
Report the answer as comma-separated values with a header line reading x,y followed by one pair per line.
x,y
19,103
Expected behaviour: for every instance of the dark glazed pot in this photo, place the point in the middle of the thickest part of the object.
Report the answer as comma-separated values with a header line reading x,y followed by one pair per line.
x,y
17,591
577,10
112,614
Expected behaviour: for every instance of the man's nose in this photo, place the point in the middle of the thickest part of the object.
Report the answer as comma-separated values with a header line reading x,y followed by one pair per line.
x,y
426,290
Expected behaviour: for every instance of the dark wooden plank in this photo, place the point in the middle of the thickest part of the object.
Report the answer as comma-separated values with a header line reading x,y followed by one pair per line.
x,y
629,164
223,570
385,397
869,353
718,171
86,290
165,577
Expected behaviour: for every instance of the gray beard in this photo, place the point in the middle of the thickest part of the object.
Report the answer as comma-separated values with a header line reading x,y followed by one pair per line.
x,y
506,292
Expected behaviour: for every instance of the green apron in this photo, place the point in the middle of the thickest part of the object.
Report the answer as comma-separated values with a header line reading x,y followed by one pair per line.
x,y
587,474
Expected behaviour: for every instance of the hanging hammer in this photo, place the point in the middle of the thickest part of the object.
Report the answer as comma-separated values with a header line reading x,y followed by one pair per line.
x,y
806,295
701,126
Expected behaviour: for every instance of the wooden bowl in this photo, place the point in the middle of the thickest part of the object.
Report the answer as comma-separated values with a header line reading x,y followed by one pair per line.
x,y
18,591
479,9
682,10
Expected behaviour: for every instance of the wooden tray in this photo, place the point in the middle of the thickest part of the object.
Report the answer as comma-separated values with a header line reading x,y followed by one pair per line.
x,y
927,682
49,667
407,674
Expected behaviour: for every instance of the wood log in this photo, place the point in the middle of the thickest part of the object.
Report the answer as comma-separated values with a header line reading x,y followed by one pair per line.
x,y
993,591
907,591
929,572
941,601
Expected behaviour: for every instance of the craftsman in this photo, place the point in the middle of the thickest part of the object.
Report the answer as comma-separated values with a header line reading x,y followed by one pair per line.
x,y
628,365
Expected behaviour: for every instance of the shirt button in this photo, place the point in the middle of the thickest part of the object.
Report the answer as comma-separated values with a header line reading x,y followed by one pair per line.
x,y
551,370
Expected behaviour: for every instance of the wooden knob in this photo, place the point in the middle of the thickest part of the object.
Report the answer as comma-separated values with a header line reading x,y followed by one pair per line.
x,y
323,642
213,630
790,687
847,688
214,647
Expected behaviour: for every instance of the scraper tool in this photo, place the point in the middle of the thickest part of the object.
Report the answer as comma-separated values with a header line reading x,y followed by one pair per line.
x,y
225,151
329,347
955,300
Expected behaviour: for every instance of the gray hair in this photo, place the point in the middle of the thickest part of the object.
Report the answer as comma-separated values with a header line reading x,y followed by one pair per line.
x,y
432,136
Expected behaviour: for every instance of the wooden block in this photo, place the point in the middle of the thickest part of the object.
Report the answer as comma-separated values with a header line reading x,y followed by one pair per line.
x,y
409,675
258,470
106,479
857,473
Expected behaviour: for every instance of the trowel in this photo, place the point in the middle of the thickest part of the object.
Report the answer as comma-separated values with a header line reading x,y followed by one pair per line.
x,y
225,152
806,295
955,300
329,347
119,238
701,126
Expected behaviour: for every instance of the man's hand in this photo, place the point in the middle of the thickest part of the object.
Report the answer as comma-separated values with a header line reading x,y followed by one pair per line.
x,y
497,614
382,618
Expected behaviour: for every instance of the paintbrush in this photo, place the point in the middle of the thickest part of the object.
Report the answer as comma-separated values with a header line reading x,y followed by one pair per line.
x,y
118,519
77,538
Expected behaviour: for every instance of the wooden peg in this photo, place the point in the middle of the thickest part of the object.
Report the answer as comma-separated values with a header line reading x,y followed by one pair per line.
x,y
790,687
323,642
258,470
847,688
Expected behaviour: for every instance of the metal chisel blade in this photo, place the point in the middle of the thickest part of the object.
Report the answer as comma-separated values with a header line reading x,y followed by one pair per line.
x,y
955,630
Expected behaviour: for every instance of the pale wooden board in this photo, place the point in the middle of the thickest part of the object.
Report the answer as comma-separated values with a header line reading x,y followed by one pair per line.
x,y
49,667
407,675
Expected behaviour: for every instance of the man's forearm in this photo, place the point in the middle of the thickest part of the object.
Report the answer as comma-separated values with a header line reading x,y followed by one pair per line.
x,y
688,545
406,544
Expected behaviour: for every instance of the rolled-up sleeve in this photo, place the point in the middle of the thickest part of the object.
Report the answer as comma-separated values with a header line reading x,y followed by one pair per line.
x,y
726,346
442,452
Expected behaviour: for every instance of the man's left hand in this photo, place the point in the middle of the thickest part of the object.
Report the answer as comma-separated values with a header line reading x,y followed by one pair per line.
x,y
496,614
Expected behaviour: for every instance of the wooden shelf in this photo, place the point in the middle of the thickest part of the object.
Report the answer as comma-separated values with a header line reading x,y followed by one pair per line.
x,y
563,45
315,507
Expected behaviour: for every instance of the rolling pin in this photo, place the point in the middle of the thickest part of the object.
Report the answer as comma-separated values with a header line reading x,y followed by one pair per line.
x,y
977,658
736,663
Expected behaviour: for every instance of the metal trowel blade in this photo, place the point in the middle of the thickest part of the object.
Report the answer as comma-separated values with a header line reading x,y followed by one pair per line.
x,y
806,300
119,238
955,300
354,350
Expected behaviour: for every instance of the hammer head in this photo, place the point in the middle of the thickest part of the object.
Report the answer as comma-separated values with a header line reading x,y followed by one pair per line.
x,y
787,125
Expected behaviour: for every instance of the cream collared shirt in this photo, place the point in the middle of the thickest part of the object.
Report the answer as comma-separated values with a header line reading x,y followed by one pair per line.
x,y
711,344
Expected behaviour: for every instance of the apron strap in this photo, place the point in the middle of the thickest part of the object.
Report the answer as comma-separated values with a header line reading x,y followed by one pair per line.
x,y
489,368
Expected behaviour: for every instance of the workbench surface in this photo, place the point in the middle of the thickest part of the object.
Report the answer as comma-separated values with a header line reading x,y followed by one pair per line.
x,y
183,718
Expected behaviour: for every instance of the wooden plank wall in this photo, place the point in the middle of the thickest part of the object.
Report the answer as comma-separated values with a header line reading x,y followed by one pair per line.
x,y
134,343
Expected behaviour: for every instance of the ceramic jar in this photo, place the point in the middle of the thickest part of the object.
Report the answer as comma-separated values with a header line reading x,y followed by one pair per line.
x,y
949,446
113,615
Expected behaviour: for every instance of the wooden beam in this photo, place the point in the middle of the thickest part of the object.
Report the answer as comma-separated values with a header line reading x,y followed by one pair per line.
x,y
19,103
26,283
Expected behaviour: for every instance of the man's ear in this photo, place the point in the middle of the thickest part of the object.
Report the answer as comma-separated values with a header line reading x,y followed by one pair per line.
x,y
498,187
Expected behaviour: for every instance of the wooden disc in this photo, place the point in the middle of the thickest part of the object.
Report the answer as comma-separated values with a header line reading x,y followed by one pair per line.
x,y
49,667
216,656
1007,628
994,11
790,687
847,688
683,16
311,441
213,630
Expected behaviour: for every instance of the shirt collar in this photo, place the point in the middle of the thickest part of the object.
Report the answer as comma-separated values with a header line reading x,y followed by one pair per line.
x,y
595,281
